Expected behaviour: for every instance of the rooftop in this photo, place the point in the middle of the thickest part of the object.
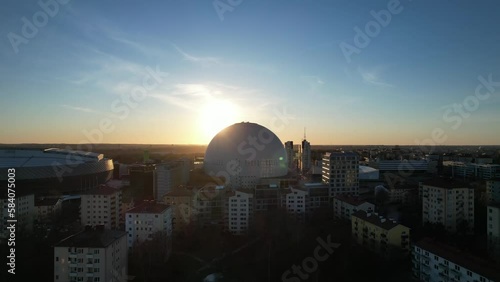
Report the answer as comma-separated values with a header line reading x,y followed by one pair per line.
x,y
373,218
350,200
179,192
448,183
101,190
149,207
92,238
476,264
46,202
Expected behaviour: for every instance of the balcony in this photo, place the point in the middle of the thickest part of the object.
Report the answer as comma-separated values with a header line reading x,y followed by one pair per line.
x,y
89,274
72,255
72,274
89,256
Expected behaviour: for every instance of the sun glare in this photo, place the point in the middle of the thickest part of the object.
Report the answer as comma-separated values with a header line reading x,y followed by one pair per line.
x,y
215,116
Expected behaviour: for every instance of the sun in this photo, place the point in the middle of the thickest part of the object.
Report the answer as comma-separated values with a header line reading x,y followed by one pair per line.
x,y
215,116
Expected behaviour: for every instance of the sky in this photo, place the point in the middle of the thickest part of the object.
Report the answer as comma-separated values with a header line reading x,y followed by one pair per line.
x,y
176,72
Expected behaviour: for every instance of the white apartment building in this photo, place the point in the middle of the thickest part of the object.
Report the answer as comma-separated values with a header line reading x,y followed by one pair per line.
x,y
93,255
25,212
344,206
101,206
341,171
143,221
493,230
240,211
448,202
433,261
296,202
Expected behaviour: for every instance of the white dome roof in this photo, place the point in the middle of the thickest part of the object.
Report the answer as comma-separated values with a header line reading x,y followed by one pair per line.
x,y
245,152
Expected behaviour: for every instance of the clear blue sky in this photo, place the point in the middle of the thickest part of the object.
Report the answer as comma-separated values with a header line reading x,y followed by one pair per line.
x,y
249,63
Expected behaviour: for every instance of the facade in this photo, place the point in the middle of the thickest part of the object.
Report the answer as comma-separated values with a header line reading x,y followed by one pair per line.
x,y
401,165
319,198
469,170
25,213
493,230
210,205
341,172
181,201
240,212
92,255
433,261
267,197
344,206
305,157
171,175
493,191
148,218
296,202
143,179
448,202
290,154
101,206
47,208
380,235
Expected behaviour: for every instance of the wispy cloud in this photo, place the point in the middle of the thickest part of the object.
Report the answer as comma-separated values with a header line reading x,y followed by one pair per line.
x,y
372,77
80,109
204,61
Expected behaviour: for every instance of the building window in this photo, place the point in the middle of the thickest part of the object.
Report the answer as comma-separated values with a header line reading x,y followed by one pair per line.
x,y
469,273
57,258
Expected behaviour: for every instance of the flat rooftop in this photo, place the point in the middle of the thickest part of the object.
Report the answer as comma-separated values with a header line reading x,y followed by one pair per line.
x,y
93,238
448,183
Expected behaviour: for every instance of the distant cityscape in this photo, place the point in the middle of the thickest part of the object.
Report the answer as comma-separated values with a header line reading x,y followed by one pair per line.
x,y
251,207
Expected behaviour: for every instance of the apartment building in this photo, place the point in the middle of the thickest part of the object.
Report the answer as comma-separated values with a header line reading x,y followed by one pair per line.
x,y
433,261
295,201
93,255
493,229
101,206
240,211
340,171
145,220
180,200
345,206
47,208
25,214
448,202
380,235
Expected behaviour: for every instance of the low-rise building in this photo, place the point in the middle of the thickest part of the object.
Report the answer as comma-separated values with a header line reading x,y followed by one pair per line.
x,y
295,201
433,261
145,220
181,201
94,254
345,206
380,235
47,208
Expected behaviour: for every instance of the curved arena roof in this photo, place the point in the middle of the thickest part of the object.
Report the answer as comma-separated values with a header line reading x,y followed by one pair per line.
x,y
55,169
245,152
